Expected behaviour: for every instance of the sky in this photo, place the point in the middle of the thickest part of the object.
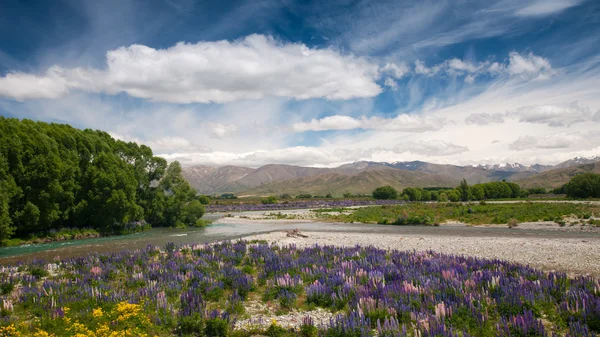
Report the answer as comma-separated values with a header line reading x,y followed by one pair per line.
x,y
318,83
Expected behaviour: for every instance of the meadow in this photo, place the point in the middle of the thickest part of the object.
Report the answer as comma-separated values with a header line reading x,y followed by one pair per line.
x,y
471,213
202,290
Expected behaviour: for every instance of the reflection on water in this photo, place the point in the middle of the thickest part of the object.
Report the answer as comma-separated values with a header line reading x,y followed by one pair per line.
x,y
216,232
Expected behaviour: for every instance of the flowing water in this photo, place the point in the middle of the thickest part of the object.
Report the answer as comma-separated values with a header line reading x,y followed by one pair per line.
x,y
217,232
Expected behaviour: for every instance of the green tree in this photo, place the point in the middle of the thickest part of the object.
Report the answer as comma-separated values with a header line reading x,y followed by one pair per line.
x,y
178,193
414,194
453,195
110,190
584,185
385,192
477,192
443,197
464,190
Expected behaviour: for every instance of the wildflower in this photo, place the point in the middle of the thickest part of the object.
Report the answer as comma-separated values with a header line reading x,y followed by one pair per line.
x,y
97,313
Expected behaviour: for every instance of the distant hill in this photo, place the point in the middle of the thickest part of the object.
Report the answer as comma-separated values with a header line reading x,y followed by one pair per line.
x,y
364,176
210,179
557,177
364,181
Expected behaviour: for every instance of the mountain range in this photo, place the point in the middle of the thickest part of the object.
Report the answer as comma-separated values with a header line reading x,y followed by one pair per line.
x,y
364,176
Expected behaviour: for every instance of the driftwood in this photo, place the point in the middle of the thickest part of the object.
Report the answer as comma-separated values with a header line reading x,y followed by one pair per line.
x,y
295,233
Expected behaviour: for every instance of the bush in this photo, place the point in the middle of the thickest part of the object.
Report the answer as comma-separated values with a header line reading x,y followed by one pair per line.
x,y
216,327
385,193
304,196
512,223
201,223
269,200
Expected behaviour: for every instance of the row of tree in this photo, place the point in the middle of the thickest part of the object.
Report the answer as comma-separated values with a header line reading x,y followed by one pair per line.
x,y
585,185
54,176
464,192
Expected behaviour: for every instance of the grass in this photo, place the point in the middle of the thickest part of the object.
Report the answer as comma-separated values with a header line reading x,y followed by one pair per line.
x,y
475,214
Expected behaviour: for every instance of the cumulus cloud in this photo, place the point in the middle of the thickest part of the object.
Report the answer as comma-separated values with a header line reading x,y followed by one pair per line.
x,y
218,71
556,141
556,115
484,119
430,148
404,122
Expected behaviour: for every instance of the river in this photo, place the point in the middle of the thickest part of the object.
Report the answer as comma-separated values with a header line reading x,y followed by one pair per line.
x,y
217,232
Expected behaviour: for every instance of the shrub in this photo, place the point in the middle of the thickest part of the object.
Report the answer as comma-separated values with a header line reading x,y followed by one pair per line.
x,y
38,271
512,223
201,223
269,200
6,288
216,327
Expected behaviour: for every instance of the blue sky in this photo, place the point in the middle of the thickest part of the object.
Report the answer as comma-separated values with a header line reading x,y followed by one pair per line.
x,y
256,82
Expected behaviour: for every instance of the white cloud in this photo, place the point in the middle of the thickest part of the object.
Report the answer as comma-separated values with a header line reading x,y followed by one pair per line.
x,y
556,115
430,148
390,83
221,71
220,130
529,66
396,71
555,141
403,122
421,68
545,7
21,86
522,66
484,119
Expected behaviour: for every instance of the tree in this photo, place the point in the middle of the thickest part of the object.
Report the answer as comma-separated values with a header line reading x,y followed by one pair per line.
x,y
453,195
385,192
414,194
584,185
477,192
443,197
464,190
178,193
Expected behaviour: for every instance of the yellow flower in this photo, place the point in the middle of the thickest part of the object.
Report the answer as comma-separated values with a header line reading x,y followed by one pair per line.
x,y
127,310
97,313
9,331
42,333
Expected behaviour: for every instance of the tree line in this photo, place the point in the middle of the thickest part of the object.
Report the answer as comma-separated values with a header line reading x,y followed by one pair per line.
x,y
54,176
464,192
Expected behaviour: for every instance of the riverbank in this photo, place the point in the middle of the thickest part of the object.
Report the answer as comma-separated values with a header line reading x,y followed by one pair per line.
x,y
569,255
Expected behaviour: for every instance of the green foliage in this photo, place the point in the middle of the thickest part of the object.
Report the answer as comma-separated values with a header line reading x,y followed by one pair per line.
x,y
385,192
216,327
269,200
585,185
304,196
414,194
54,177
201,223
422,213
204,199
